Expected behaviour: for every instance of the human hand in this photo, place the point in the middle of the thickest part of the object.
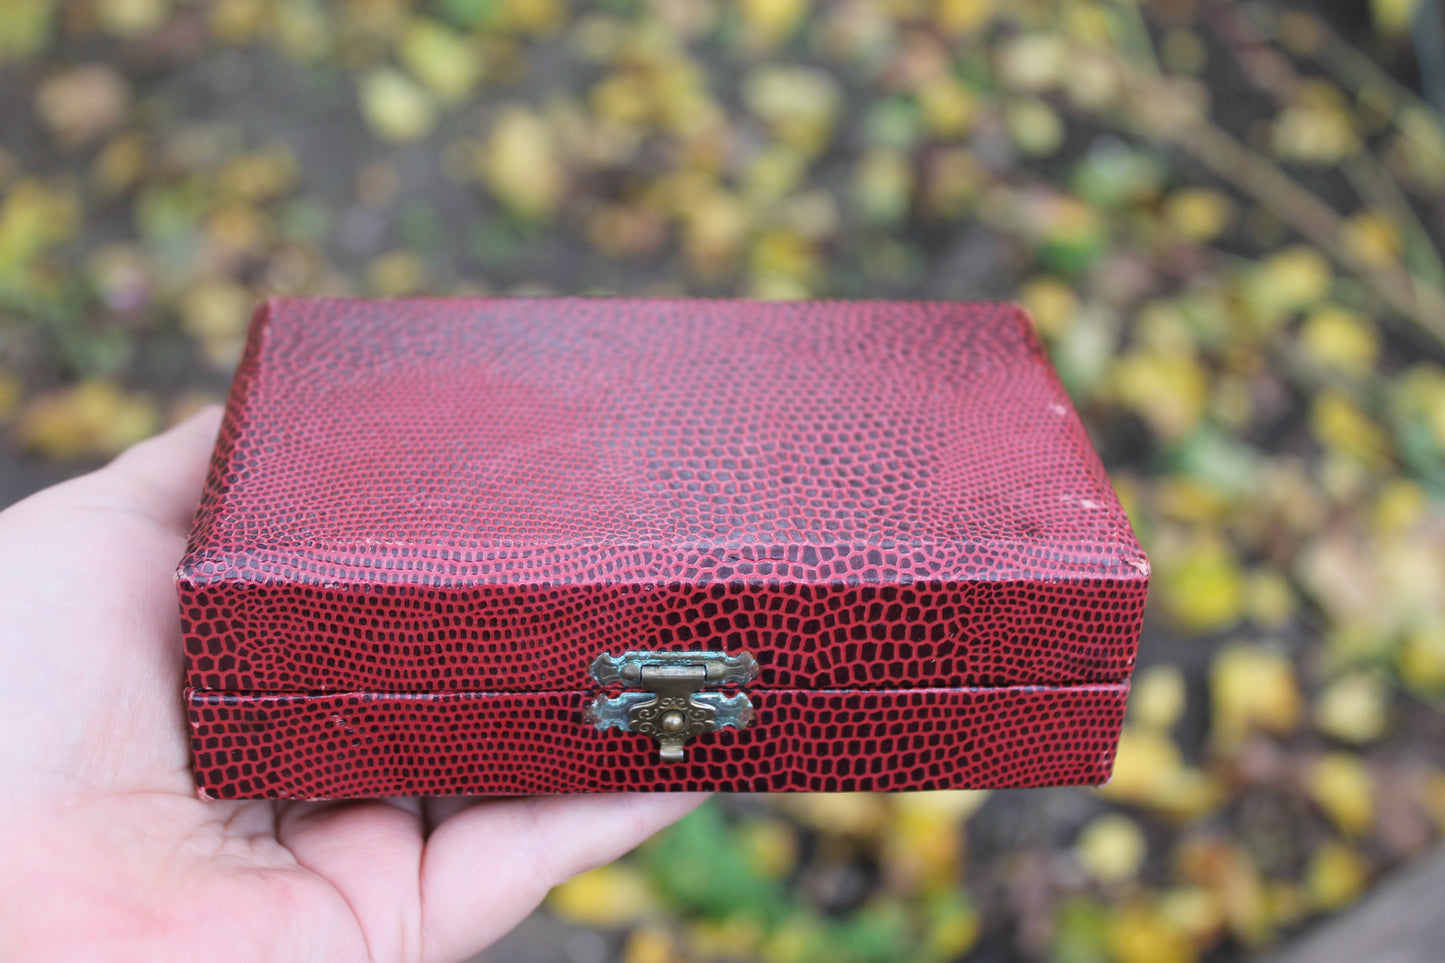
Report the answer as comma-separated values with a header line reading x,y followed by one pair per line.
x,y
107,852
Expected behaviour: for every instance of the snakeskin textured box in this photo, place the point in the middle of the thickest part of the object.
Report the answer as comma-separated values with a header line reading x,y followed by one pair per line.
x,y
523,546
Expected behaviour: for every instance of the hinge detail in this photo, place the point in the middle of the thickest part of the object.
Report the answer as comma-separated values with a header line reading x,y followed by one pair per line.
x,y
672,710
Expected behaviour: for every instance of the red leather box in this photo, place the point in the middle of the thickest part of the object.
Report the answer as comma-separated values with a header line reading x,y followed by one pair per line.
x,y
523,546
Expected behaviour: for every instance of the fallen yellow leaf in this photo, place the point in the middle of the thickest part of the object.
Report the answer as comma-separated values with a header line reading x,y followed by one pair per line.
x,y
1141,934
11,391
1372,238
1157,697
1203,589
446,62
1393,17
1400,507
964,16
394,107
882,186
215,312
1199,213
1050,302
1336,338
92,418
842,813
395,274
1150,771
1195,910
771,846
1288,281
949,108
611,895
521,166
953,179
1034,126
800,105
258,176
1340,784
952,930
1422,658
1271,599
129,18
768,23
1032,62
82,103
1167,390
235,22
1112,848
1353,709
1319,133
1231,875
33,218
537,17
783,265
650,943
733,937
1251,687
1334,876
1341,426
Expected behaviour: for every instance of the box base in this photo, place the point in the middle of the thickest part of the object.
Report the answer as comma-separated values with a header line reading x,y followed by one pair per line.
x,y
347,745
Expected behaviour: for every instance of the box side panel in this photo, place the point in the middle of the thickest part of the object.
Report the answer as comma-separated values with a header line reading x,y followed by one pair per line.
x,y
362,744
288,636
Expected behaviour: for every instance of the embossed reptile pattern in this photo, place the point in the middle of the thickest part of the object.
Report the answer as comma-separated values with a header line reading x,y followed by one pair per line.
x,y
479,496
483,495
349,744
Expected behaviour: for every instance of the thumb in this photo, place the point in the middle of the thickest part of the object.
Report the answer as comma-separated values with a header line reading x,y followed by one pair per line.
x,y
90,648
489,865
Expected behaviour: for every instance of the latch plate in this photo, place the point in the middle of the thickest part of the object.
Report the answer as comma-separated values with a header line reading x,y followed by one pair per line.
x,y
672,710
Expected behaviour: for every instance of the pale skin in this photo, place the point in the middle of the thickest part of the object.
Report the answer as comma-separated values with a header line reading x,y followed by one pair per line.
x,y
109,855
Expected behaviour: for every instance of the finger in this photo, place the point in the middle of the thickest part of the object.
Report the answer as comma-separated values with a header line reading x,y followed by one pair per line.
x,y
159,479
488,866
90,652
369,852
438,809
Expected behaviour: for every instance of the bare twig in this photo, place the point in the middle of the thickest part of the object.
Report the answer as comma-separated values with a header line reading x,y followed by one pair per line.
x,y
1153,111
1347,65
1275,75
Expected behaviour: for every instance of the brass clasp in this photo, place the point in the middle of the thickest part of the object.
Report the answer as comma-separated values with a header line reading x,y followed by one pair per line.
x,y
672,710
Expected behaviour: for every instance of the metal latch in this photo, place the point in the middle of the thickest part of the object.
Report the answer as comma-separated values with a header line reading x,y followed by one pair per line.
x,y
672,710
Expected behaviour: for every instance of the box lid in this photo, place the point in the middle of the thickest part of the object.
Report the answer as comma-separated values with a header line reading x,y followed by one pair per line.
x,y
483,495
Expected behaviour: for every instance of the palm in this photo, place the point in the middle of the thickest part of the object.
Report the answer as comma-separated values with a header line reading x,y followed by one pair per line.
x,y
110,849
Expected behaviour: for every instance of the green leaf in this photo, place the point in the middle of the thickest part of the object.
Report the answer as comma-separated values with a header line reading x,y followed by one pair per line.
x,y
470,13
893,123
875,934
1113,175
1081,933
699,867
420,226
1216,459
25,27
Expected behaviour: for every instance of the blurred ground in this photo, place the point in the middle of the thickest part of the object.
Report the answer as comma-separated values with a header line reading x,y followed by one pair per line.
x,y
1226,218
1398,922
